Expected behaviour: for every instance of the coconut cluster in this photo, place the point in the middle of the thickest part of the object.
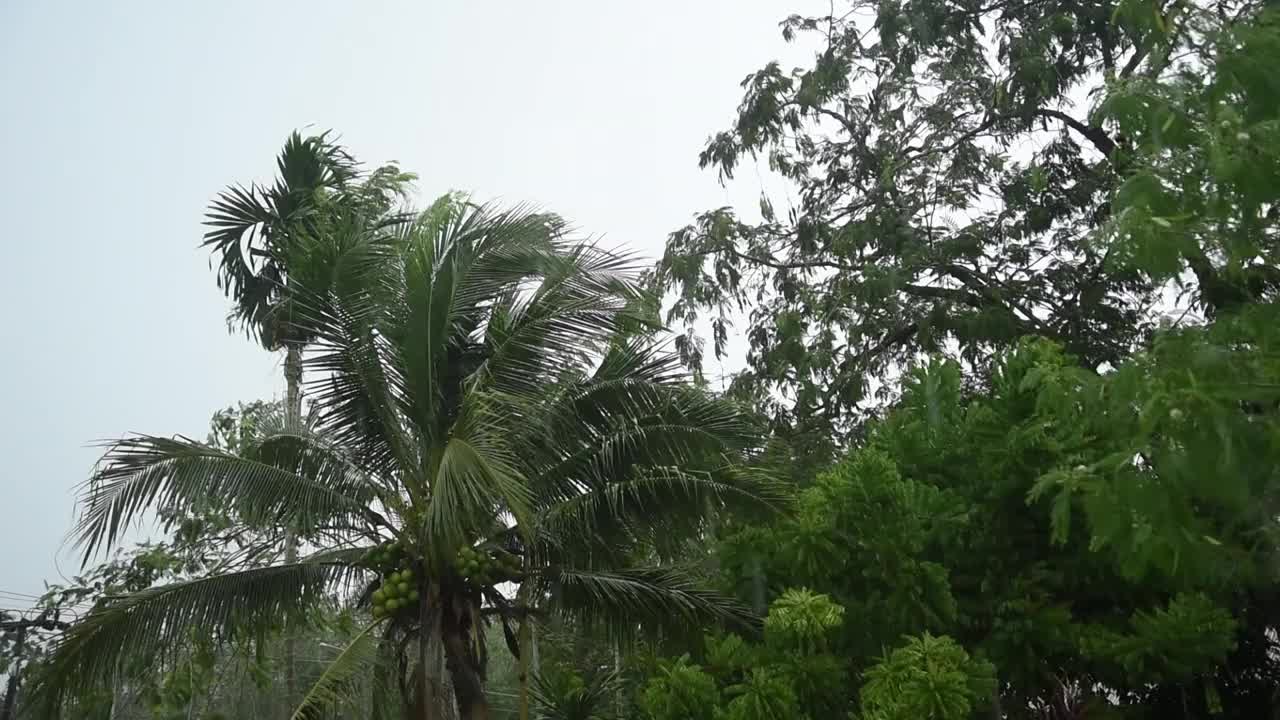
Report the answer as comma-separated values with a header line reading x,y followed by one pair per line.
x,y
483,568
398,589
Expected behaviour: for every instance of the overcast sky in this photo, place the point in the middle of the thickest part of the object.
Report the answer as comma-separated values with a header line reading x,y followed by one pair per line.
x,y
119,121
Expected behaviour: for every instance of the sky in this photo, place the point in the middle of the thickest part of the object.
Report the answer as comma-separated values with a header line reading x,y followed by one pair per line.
x,y
119,121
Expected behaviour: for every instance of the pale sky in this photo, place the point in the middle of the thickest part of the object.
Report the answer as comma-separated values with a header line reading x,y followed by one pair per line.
x,y
120,120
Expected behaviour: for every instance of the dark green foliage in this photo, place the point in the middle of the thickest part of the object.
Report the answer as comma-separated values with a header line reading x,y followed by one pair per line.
x,y
1205,125
680,690
943,524
858,534
945,202
791,673
1093,543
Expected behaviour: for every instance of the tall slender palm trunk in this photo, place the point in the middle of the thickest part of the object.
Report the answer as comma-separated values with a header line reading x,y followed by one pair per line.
x,y
525,642
293,412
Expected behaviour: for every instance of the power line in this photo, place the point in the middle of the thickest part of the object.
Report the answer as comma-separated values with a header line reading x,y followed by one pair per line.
x,y
27,597
32,607
30,604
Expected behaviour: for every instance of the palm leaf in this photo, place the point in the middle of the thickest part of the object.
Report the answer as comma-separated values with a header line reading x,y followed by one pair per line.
x,y
300,481
659,502
595,436
340,677
254,230
234,219
559,325
474,480
626,601
150,628
358,393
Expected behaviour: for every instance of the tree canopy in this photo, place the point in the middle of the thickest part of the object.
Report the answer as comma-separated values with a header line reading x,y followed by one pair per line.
x,y
1044,232
955,165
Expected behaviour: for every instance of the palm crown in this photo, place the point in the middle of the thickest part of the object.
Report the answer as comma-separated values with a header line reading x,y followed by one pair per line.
x,y
254,230
487,438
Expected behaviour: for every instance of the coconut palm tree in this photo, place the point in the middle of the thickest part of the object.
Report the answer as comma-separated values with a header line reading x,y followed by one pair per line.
x,y
489,439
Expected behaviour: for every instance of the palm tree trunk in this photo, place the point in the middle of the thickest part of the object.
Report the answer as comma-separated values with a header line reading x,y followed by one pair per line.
x,y
428,692
468,688
426,699
293,381
293,413
430,698
525,635
537,662
526,645
617,672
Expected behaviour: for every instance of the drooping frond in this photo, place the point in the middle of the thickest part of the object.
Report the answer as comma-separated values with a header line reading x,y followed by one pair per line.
x,y
562,325
598,432
341,677
148,629
237,218
292,478
356,390
625,602
652,506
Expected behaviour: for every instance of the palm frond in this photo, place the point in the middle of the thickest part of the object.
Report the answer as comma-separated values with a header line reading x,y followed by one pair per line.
x,y
295,480
237,219
473,481
151,628
561,325
358,392
310,163
653,502
340,677
596,435
254,229
625,602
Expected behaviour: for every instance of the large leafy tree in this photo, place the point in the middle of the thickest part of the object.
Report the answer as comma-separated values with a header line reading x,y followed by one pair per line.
x,y
1106,540
487,444
951,170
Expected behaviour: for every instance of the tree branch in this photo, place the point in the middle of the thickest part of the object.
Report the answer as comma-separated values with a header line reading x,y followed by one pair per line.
x,y
1095,135
897,337
799,265
942,293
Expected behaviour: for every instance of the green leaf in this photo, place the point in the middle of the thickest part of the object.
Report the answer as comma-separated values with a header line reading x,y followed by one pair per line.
x,y
332,689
